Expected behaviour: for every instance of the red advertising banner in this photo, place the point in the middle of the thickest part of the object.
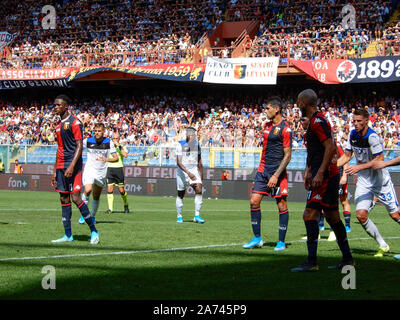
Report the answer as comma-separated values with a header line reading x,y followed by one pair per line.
x,y
35,74
336,71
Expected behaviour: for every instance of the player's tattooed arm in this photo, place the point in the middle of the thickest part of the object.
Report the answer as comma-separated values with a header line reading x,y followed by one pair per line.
x,y
287,155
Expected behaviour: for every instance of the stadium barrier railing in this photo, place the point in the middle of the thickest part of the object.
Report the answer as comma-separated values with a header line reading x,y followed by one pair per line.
x,y
165,155
301,49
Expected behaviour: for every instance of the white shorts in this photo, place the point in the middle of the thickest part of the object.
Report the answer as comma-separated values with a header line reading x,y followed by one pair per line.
x,y
385,193
90,176
183,180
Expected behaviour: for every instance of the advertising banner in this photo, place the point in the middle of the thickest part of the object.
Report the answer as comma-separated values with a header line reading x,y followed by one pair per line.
x,y
174,72
336,71
242,70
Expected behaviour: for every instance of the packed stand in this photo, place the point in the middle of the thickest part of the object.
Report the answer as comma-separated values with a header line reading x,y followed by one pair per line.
x,y
313,30
131,33
223,119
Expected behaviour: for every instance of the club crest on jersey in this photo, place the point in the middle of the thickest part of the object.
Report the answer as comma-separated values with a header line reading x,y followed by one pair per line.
x,y
276,130
66,126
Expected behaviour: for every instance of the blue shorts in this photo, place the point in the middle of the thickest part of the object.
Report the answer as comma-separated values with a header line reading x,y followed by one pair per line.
x,y
71,184
260,185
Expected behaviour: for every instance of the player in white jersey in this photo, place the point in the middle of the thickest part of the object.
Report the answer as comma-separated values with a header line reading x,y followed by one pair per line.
x,y
367,148
99,149
189,173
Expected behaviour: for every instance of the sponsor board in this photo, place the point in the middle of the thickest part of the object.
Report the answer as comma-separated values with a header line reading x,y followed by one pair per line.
x,y
337,71
261,71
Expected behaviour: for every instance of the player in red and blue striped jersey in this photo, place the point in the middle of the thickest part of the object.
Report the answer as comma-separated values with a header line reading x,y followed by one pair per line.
x,y
67,176
321,180
271,179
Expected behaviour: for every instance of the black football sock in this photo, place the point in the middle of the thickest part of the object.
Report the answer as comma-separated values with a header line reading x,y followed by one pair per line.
x,y
66,218
256,221
84,209
283,223
347,218
341,239
312,240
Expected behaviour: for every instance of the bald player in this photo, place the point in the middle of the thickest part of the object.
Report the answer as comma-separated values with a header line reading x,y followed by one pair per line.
x,y
321,180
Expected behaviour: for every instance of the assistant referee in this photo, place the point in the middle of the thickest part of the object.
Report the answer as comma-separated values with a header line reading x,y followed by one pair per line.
x,y
115,175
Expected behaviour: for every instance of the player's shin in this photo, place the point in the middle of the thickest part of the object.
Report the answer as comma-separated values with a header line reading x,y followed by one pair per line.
x,y
347,217
312,240
85,198
83,208
372,230
341,239
283,223
179,206
198,201
66,218
125,198
110,200
256,221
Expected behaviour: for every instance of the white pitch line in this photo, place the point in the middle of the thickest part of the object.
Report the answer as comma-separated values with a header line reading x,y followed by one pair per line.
x,y
157,250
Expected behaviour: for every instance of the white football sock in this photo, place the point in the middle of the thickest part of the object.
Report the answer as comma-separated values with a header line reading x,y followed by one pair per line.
x,y
179,207
198,201
372,230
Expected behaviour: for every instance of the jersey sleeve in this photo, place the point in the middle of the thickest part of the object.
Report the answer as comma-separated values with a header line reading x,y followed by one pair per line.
x,y
287,137
375,144
348,144
84,143
77,129
340,149
321,128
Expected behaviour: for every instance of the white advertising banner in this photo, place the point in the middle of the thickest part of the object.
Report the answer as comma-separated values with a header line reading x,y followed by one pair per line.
x,y
242,70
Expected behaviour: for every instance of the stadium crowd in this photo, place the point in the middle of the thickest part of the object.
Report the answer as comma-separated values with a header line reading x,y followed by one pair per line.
x,y
128,33
223,119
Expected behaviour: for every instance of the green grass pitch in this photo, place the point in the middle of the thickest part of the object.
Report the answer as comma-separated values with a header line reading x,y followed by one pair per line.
x,y
146,255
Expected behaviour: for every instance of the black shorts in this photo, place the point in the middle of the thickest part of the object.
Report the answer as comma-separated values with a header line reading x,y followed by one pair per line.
x,y
260,185
71,184
115,176
326,197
